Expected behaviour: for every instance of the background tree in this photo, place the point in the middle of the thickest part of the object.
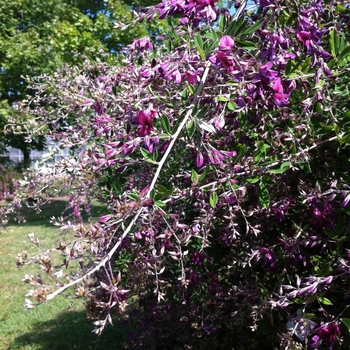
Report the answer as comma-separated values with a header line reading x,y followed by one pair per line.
x,y
37,37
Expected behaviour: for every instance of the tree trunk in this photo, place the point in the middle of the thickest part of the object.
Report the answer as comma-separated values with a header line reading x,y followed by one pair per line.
x,y
26,157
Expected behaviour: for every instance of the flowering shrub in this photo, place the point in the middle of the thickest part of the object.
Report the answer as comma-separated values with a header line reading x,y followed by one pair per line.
x,y
8,175
221,150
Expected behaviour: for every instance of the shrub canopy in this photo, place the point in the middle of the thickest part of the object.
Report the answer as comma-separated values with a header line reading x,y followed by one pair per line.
x,y
221,151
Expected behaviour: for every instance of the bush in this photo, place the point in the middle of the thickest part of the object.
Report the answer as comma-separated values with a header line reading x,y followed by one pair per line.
x,y
222,151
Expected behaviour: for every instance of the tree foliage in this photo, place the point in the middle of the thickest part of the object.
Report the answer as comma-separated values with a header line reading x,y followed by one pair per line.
x,y
37,37
221,152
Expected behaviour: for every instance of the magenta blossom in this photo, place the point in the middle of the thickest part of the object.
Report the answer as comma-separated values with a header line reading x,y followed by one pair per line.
x,y
145,123
226,43
143,44
328,333
279,96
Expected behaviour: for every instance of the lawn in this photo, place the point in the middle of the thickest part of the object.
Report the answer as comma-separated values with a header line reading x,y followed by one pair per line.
x,y
58,324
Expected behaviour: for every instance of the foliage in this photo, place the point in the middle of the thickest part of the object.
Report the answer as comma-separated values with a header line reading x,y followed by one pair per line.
x,y
222,154
37,37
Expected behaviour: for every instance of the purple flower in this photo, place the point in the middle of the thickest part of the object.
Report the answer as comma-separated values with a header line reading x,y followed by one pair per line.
x,y
145,123
98,108
191,76
143,44
192,10
223,57
328,333
279,96
304,37
226,43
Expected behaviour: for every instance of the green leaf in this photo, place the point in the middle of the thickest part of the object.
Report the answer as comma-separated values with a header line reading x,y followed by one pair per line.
x,y
324,301
149,157
231,106
342,43
165,123
231,27
340,228
252,179
346,322
254,27
134,196
194,176
288,67
191,128
214,34
282,169
344,54
248,45
162,189
306,65
222,23
334,42
222,99
159,203
267,180
204,175
202,112
191,89
240,25
329,233
145,153
184,97
213,199
263,195
199,43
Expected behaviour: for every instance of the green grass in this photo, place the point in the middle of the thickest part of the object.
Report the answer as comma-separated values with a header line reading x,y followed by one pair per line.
x,y
58,324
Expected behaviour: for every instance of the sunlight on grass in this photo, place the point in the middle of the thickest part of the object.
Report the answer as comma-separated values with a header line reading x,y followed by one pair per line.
x,y
58,324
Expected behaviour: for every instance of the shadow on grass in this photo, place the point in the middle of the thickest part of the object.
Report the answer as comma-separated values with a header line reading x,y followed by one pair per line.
x,y
70,330
55,208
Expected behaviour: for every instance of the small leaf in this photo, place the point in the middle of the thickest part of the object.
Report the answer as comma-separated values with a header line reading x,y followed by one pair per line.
x,y
191,128
199,43
346,322
231,106
213,199
205,126
282,169
159,204
204,175
222,23
252,179
184,96
194,176
324,301
165,123
162,189
263,195
288,67
191,89
248,45
254,27
329,233
344,54
334,42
